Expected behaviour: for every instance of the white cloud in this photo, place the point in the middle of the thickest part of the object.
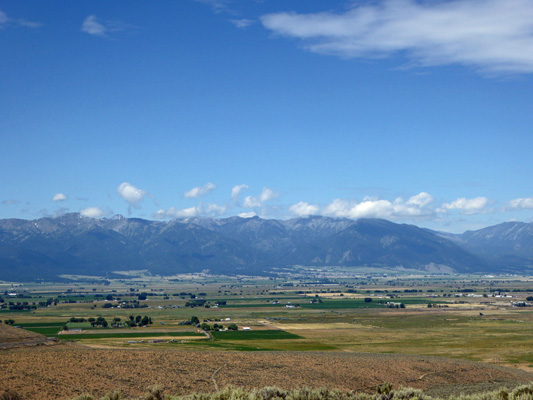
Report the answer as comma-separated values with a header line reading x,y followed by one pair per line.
x,y
3,18
521,204
415,207
173,212
302,209
267,194
59,197
236,191
422,199
251,202
130,193
201,210
199,191
214,209
96,27
92,212
466,206
242,23
490,35
250,214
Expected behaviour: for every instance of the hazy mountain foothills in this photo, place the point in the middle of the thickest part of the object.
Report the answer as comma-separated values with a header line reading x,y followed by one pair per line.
x,y
48,247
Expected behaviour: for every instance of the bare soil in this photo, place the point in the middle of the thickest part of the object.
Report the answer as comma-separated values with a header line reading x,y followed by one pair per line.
x,y
67,370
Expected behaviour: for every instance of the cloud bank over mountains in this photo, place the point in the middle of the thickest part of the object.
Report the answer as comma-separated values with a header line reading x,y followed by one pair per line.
x,y
269,203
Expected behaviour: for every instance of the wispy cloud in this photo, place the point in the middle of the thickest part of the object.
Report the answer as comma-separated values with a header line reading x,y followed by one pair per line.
x,y
200,191
97,27
489,35
7,21
10,202
242,23
216,5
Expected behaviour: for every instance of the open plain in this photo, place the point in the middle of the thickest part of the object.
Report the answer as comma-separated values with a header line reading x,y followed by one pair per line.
x,y
445,335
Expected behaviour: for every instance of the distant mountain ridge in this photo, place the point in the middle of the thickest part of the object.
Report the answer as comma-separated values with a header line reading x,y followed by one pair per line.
x,y
73,244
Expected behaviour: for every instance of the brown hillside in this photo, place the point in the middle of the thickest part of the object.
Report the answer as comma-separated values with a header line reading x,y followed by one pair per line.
x,y
65,371
14,337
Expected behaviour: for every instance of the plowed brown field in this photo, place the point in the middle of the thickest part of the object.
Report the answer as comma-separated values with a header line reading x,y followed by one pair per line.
x,y
64,371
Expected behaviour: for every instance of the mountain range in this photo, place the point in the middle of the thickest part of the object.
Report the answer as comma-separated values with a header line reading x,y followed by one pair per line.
x,y
73,244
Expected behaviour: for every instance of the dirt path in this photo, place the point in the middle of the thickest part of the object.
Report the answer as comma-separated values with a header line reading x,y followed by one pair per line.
x,y
214,375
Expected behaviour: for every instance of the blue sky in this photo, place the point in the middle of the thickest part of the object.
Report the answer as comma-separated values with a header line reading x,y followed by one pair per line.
x,y
419,112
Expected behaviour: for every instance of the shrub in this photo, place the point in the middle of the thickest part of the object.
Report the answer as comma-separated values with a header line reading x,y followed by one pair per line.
x,y
112,396
10,395
382,392
155,393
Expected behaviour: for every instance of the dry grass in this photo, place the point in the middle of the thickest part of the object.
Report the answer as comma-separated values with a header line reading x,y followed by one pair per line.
x,y
65,371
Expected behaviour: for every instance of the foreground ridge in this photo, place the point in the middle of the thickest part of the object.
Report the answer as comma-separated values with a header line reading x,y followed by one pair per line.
x,y
383,392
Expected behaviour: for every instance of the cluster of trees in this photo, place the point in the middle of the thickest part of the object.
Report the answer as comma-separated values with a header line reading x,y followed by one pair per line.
x,y
8,321
19,306
396,305
195,303
101,322
138,321
191,295
194,320
217,327
98,322
125,304
49,301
